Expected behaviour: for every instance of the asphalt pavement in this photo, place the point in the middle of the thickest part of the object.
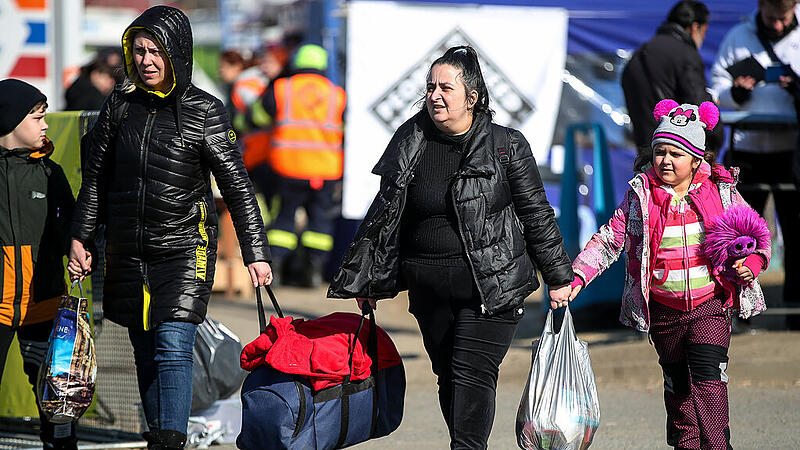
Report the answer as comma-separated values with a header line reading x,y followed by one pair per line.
x,y
764,371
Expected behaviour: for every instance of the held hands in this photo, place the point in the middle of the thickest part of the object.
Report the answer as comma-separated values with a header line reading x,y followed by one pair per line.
x,y
743,272
260,273
560,295
80,261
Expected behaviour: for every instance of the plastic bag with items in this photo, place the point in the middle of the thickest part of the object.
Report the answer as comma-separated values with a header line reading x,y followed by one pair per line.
x,y
559,409
216,373
66,379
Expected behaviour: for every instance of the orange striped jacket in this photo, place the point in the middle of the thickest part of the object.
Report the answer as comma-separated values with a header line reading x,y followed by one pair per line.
x,y
35,210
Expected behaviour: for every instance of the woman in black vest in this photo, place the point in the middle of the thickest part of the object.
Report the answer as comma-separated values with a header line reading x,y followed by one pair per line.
x,y
464,233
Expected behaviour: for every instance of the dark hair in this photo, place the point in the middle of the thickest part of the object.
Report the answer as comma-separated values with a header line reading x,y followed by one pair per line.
x,y
685,13
782,5
97,65
38,106
232,57
465,58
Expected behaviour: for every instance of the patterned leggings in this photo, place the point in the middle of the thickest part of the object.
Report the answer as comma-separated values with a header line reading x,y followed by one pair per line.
x,y
692,348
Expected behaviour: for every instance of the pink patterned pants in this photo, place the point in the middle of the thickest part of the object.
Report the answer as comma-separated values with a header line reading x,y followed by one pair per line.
x,y
692,350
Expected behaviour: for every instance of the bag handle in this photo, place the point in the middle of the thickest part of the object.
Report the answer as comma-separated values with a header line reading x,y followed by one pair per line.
x,y
262,318
372,340
366,310
80,287
567,326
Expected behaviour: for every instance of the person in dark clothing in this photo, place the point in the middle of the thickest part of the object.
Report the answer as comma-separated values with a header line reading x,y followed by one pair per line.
x,y
461,221
36,206
147,178
668,66
89,90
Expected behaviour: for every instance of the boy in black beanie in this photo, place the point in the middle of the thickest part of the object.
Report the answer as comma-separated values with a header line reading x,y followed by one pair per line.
x,y
36,206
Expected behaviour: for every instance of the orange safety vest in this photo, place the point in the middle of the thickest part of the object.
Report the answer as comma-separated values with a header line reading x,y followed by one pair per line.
x,y
246,91
307,132
255,148
255,144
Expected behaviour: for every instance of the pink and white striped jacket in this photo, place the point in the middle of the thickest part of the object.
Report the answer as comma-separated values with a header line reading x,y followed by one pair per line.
x,y
636,228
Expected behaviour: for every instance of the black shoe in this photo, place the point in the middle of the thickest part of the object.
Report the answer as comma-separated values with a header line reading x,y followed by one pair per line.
x,y
165,440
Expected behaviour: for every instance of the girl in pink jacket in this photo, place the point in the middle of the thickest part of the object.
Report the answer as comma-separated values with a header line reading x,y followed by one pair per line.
x,y
671,289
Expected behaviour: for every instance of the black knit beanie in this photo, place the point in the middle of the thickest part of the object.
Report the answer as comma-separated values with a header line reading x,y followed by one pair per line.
x,y
16,100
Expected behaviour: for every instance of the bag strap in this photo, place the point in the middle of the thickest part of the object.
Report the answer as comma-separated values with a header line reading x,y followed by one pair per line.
x,y
500,137
776,59
372,351
80,287
768,47
372,340
773,56
262,318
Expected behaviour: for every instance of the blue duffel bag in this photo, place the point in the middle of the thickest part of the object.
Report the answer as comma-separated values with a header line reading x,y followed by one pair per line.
x,y
281,411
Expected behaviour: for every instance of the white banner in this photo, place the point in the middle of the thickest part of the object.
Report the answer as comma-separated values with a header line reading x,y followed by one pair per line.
x,y
390,47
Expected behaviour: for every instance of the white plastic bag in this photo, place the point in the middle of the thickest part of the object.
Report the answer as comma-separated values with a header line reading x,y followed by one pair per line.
x,y
559,409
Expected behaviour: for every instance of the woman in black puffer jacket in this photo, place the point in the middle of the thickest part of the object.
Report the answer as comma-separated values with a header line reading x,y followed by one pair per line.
x,y
146,176
464,233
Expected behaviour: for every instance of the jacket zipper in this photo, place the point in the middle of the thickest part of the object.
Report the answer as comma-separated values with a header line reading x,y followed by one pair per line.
x,y
466,253
399,216
140,229
686,256
17,254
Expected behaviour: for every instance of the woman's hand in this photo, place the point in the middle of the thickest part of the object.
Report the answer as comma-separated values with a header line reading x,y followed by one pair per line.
x,y
80,261
260,273
559,295
743,272
371,301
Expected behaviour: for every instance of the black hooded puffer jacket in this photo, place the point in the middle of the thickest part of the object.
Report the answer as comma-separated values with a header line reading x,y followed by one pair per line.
x,y
505,221
147,174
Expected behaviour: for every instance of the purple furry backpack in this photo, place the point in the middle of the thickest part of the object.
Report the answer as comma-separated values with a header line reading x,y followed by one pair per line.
x,y
736,234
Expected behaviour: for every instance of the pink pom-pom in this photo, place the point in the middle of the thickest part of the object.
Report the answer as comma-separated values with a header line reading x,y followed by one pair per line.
x,y
664,107
709,114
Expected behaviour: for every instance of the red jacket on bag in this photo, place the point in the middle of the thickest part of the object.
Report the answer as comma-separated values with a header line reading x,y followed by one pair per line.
x,y
318,349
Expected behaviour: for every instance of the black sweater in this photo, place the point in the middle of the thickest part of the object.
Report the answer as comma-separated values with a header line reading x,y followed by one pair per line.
x,y
429,229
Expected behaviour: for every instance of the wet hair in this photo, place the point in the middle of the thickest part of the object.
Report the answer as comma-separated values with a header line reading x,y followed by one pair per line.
x,y
781,5
644,158
685,13
465,59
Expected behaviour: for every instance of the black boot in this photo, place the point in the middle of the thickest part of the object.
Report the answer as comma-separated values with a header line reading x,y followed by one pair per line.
x,y
150,437
169,440
48,433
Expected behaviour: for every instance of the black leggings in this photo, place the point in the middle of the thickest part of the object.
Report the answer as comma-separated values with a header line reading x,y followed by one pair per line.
x,y
465,346
33,340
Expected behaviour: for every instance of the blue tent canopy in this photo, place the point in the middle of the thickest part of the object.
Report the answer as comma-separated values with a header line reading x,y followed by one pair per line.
x,y
606,26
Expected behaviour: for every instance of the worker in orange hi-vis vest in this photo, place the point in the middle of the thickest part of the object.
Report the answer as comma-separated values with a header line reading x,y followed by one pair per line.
x,y
304,110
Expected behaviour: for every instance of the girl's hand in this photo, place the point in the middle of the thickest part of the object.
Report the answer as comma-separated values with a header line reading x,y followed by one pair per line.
x,y
743,272
559,295
575,290
371,301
